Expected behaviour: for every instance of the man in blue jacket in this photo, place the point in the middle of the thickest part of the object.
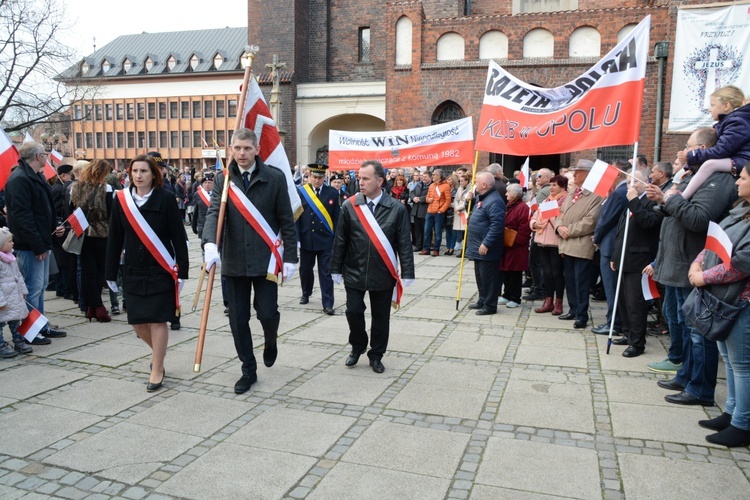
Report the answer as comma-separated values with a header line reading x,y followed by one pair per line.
x,y
484,243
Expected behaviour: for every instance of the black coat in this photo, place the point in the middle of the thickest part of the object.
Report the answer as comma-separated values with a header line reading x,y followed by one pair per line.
x,y
311,232
30,209
643,236
355,256
199,215
419,209
486,227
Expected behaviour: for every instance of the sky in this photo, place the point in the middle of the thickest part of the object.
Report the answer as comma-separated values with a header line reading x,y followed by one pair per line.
x,y
106,20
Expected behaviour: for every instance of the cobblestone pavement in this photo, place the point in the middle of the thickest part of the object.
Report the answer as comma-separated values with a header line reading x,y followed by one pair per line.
x,y
515,405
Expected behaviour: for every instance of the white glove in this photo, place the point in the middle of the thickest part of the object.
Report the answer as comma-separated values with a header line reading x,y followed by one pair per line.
x,y
288,272
180,284
336,278
113,286
407,282
211,255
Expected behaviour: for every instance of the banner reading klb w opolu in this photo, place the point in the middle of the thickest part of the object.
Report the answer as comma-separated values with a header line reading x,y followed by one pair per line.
x,y
450,143
602,107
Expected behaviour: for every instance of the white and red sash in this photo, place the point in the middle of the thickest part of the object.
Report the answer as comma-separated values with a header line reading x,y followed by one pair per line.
x,y
149,239
383,246
256,220
204,196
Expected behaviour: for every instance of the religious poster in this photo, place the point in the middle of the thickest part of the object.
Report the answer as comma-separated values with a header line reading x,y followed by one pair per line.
x,y
711,48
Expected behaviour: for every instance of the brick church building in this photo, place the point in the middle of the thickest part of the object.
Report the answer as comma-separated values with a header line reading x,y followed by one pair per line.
x,y
386,65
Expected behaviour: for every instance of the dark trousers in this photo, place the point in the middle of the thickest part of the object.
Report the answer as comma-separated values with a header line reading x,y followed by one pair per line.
x,y
307,276
609,280
577,284
380,305
634,309
512,281
92,270
537,269
487,274
266,307
419,232
554,278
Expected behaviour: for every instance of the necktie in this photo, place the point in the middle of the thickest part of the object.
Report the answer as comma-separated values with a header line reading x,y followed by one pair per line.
x,y
317,192
246,179
372,206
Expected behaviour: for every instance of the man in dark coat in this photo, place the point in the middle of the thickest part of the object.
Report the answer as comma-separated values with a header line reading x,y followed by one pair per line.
x,y
640,250
484,243
62,279
315,227
418,196
363,268
31,219
201,207
246,254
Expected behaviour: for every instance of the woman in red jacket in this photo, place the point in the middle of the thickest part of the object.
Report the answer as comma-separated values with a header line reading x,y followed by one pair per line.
x,y
516,257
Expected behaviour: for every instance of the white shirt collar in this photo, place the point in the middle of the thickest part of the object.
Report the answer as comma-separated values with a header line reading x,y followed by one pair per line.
x,y
375,200
140,200
251,169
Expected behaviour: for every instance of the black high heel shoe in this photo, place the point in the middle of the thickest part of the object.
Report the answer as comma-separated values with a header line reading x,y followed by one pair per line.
x,y
155,386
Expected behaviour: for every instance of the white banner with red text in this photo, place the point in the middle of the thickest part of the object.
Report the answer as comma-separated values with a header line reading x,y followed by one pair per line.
x,y
602,107
450,143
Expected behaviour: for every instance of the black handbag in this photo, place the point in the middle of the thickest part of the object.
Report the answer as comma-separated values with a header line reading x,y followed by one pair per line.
x,y
708,314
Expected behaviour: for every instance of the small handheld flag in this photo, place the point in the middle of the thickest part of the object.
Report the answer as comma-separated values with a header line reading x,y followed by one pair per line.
x,y
600,178
56,157
32,325
549,209
49,171
648,285
78,221
718,242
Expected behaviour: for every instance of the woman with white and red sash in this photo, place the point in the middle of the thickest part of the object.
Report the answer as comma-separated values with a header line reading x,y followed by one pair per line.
x,y
146,223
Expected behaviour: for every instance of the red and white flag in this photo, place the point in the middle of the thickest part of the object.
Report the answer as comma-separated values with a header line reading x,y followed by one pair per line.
x,y
600,179
78,221
27,138
549,209
533,204
718,242
56,157
49,171
257,117
8,157
32,325
524,177
648,285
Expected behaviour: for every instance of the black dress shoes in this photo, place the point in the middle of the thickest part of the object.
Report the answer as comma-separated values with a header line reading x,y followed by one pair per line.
x,y
670,385
485,312
304,300
632,352
353,358
329,311
684,398
244,383
155,386
579,324
476,305
620,341
377,366
567,316
270,351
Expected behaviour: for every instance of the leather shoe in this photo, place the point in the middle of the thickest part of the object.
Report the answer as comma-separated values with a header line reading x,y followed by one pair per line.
x,y
567,316
485,312
353,358
476,305
670,385
329,311
579,324
377,366
533,296
603,329
155,386
424,252
620,341
684,398
243,384
632,352
270,351
304,300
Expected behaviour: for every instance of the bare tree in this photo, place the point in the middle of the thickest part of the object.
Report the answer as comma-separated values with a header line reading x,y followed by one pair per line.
x,y
30,58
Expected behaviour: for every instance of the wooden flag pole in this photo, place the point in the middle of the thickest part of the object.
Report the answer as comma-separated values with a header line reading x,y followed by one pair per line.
x,y
466,231
250,54
200,286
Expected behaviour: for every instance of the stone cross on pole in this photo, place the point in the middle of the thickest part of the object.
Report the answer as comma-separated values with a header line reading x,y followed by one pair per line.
x,y
275,104
711,67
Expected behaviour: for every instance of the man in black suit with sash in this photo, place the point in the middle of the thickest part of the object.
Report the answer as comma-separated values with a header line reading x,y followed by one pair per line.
x,y
315,227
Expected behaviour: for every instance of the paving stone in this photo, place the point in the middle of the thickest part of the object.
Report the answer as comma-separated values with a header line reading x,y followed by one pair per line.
x,y
103,397
32,380
342,388
628,421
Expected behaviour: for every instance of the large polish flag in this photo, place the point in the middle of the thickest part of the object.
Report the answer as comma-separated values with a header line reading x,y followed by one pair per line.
x,y
450,143
549,209
257,117
600,178
32,325
601,107
78,221
718,242
8,157
648,286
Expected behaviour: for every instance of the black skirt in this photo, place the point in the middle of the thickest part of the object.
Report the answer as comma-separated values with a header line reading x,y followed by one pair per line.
x,y
149,294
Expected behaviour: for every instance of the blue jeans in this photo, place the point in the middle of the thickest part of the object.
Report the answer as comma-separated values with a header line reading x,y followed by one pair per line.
x,y
433,221
676,324
36,275
450,238
736,353
700,359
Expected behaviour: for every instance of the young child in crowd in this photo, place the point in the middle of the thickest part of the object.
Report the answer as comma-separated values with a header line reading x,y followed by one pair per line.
x,y
732,149
12,298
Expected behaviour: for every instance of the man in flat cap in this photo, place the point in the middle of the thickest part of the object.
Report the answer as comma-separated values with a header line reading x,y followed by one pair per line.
x,y
315,228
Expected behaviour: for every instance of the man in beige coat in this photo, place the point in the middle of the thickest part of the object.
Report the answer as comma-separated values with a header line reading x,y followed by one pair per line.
x,y
576,230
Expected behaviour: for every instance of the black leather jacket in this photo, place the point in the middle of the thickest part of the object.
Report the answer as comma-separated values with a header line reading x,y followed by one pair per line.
x,y
356,257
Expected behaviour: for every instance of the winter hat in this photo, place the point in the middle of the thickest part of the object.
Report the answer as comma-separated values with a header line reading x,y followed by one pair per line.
x,y
5,235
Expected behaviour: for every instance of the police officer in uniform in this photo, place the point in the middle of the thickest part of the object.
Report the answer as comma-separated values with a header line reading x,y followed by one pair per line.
x,y
320,204
337,181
